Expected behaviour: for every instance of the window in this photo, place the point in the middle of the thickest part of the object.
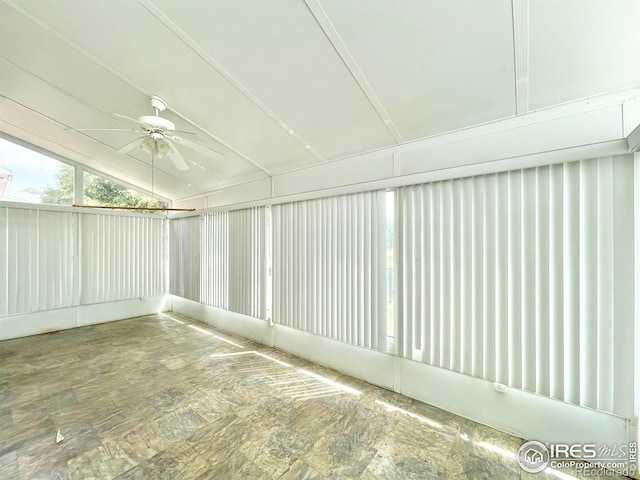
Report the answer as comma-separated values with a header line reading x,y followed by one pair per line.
x,y
32,177
101,191
29,176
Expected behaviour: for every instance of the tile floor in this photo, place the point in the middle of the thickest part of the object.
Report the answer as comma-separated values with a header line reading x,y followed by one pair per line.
x,y
166,397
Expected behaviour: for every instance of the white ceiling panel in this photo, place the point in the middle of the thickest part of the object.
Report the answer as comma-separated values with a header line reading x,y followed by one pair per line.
x,y
582,48
40,52
277,51
436,66
282,85
131,41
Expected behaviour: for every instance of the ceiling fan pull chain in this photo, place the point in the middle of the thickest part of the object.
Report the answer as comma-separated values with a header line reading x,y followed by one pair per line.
x,y
153,168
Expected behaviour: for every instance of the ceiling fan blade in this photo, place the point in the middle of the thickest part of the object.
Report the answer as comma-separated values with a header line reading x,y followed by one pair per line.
x,y
183,132
198,148
130,146
102,130
119,115
175,156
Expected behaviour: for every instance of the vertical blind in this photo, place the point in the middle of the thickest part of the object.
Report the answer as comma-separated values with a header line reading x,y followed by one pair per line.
x,y
234,261
122,257
184,258
220,260
511,277
329,267
36,253
51,259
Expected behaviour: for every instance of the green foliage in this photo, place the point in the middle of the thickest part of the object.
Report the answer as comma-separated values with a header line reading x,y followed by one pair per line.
x,y
97,191
100,191
62,193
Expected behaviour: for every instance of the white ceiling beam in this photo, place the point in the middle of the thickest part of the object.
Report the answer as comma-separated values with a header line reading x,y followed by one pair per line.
x,y
343,51
126,79
202,53
520,12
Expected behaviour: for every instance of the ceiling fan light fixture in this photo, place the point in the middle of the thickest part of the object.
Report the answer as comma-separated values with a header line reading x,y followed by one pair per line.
x,y
162,148
148,145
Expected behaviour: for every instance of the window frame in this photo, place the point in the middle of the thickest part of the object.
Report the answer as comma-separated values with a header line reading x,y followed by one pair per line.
x,y
78,174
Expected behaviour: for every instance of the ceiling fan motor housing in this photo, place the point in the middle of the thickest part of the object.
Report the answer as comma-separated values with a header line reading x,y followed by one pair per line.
x,y
156,122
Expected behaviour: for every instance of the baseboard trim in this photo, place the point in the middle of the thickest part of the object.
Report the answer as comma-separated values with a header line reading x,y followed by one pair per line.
x,y
524,414
35,323
248,327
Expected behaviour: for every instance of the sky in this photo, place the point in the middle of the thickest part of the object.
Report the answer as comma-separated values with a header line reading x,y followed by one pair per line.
x,y
30,170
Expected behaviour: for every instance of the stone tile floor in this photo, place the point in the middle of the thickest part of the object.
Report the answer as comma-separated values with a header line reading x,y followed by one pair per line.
x,y
166,397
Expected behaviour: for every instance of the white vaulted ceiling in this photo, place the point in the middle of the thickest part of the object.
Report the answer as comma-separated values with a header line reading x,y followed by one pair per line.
x,y
282,85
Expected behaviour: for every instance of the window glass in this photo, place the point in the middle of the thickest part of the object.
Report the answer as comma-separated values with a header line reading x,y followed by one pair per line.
x,y
29,176
103,192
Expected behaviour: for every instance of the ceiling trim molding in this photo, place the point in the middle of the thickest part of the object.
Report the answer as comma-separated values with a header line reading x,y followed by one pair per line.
x,y
630,115
125,79
202,53
539,159
520,14
539,116
343,51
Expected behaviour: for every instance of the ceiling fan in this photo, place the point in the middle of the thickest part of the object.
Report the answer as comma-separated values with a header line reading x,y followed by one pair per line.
x,y
158,136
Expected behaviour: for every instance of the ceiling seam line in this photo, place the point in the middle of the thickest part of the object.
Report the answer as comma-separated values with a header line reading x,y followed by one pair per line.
x,y
226,187
326,25
122,77
520,29
191,43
